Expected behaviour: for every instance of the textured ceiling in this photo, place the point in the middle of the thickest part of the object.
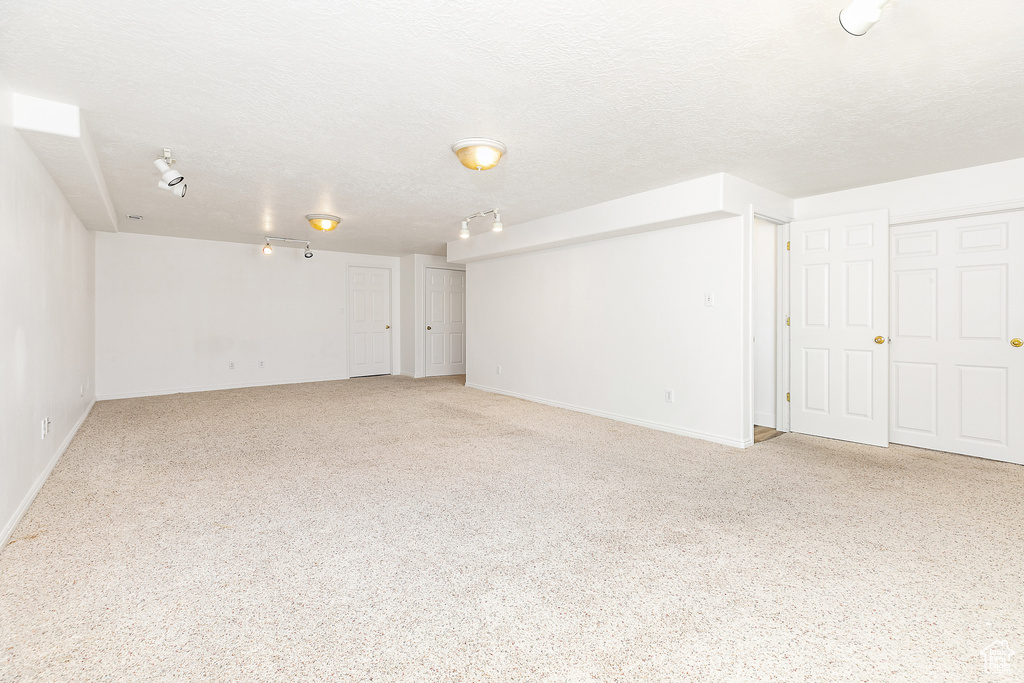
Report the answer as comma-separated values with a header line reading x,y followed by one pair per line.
x,y
278,109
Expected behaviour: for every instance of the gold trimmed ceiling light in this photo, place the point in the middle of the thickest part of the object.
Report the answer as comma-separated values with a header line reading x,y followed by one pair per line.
x,y
324,222
479,154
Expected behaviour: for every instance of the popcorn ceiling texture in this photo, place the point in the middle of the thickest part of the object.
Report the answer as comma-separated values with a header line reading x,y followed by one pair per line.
x,y
390,529
276,110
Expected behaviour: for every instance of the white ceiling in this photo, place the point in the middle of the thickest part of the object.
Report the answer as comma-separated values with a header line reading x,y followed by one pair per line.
x,y
278,109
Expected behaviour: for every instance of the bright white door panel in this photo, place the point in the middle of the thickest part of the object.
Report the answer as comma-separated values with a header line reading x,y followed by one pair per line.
x,y
957,380
369,321
840,306
446,322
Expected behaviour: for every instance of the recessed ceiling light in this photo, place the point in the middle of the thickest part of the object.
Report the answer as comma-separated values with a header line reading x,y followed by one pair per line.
x,y
479,154
323,222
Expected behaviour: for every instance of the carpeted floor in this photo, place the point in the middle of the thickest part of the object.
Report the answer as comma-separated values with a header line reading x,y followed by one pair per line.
x,y
390,529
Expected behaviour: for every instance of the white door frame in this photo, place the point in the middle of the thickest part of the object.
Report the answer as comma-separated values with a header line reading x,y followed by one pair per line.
x,y
392,303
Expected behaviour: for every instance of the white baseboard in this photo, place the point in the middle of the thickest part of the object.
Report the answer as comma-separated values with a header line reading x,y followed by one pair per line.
x,y
213,387
725,441
26,503
764,419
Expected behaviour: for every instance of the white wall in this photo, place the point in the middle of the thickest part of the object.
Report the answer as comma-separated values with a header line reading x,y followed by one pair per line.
x,y
606,327
172,313
46,322
414,301
990,187
764,322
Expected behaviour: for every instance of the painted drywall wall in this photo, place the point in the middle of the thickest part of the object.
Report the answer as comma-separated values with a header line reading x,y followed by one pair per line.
x,y
764,322
414,298
172,314
407,269
990,187
46,322
606,327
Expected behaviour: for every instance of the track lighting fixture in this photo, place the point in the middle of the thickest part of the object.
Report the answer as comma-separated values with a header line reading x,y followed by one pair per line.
x,y
268,250
179,189
496,226
860,15
169,178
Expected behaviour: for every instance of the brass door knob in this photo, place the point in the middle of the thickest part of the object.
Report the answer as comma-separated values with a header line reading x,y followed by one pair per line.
x,y
387,327
1017,342
428,327
879,340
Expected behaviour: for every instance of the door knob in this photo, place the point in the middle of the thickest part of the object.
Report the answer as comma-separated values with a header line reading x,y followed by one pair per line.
x,y
387,327
879,340
1017,342
428,327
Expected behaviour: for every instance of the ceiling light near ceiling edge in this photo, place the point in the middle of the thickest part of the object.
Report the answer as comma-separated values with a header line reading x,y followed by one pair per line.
x,y
479,154
324,222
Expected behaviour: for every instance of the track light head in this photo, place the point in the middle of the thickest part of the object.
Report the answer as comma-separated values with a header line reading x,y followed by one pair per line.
x,y
860,15
267,249
177,189
464,232
308,253
497,226
168,174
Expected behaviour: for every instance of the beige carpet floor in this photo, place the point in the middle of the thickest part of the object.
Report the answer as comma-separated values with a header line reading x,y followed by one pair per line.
x,y
389,529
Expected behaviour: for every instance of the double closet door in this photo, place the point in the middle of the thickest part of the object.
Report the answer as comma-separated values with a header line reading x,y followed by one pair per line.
x,y
910,334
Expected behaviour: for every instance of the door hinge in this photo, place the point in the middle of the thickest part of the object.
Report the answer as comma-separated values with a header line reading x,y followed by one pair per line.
x,y
787,396
787,321
787,246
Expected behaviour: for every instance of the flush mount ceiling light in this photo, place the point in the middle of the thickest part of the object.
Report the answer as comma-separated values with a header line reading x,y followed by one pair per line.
x,y
860,15
496,226
268,250
479,154
169,178
324,222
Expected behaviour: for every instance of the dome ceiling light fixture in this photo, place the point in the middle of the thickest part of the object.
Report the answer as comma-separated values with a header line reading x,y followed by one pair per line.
x,y
496,226
860,15
479,154
324,222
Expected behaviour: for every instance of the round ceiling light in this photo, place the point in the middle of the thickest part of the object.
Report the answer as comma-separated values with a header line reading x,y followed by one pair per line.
x,y
479,154
323,222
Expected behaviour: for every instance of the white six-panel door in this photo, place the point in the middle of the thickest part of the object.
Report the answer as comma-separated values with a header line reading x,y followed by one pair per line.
x,y
369,321
957,381
446,322
840,308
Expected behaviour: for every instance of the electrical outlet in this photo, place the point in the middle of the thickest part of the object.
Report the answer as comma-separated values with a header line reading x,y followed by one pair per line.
x,y
709,299
499,369
670,396
231,365
43,434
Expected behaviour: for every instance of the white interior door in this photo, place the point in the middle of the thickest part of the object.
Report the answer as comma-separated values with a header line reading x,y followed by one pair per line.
x,y
957,305
446,322
369,321
839,288
765,259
